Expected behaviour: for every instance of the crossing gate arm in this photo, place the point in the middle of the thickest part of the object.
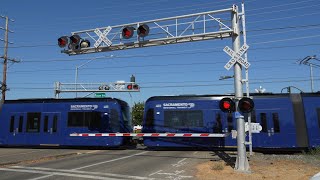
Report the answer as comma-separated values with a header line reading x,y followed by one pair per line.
x,y
213,135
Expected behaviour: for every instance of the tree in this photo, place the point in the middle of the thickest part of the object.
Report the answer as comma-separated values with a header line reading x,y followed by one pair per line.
x,y
137,113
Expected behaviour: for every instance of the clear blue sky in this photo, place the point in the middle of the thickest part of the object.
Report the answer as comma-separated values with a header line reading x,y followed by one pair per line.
x,y
279,34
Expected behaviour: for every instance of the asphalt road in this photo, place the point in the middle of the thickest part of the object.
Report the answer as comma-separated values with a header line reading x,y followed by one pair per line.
x,y
105,164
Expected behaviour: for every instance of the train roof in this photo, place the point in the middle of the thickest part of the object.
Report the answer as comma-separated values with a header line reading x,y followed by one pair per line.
x,y
211,96
53,100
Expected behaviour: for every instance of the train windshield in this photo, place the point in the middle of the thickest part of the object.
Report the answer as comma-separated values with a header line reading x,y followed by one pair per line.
x,y
126,116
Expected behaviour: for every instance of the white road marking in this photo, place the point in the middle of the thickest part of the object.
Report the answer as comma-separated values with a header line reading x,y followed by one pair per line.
x,y
55,173
112,160
180,163
176,175
79,172
41,177
155,173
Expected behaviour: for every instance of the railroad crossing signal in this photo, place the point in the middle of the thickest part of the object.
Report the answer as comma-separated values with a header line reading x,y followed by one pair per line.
x,y
236,57
245,105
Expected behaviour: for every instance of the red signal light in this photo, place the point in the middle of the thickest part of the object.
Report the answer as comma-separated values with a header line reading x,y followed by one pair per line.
x,y
63,41
127,32
75,39
129,87
246,105
143,30
227,105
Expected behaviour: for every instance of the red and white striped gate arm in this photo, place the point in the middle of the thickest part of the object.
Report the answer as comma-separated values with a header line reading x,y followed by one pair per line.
x,y
150,134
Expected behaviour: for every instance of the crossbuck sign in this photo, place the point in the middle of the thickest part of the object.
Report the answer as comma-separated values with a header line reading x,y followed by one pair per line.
x,y
236,57
102,37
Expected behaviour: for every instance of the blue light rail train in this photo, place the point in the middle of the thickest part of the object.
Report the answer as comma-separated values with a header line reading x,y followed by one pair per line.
x,y
289,121
49,122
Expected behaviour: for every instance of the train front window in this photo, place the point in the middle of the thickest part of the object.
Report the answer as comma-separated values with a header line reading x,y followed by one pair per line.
x,y
126,116
33,122
82,119
183,118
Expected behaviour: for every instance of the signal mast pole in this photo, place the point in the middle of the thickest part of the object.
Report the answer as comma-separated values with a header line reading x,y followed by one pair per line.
x,y
242,163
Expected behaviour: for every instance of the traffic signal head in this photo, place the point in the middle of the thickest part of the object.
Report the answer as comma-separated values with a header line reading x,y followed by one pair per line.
x,y
63,41
246,105
133,87
143,30
227,105
75,39
127,32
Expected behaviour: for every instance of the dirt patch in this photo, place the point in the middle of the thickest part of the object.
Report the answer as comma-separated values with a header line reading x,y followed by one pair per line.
x,y
262,167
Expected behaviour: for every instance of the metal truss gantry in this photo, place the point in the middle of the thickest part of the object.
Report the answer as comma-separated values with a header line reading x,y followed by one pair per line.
x,y
93,87
178,29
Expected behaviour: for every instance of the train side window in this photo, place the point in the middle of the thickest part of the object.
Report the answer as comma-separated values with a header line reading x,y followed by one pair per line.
x,y
33,122
253,116
83,119
114,120
276,123
230,122
318,112
217,128
263,118
150,117
20,123
11,123
45,124
55,123
183,118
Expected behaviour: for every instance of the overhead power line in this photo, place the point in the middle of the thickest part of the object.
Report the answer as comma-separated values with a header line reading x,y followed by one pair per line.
x,y
187,85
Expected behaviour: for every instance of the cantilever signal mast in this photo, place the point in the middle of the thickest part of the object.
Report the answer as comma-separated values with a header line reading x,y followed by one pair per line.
x,y
179,29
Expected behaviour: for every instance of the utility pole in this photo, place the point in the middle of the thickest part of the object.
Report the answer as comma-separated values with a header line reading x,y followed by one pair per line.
x,y
5,58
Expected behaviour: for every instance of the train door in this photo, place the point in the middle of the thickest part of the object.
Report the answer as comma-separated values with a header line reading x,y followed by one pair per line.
x,y
16,132
49,130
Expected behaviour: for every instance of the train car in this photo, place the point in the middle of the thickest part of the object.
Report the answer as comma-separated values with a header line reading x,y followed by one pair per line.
x,y
287,120
49,122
